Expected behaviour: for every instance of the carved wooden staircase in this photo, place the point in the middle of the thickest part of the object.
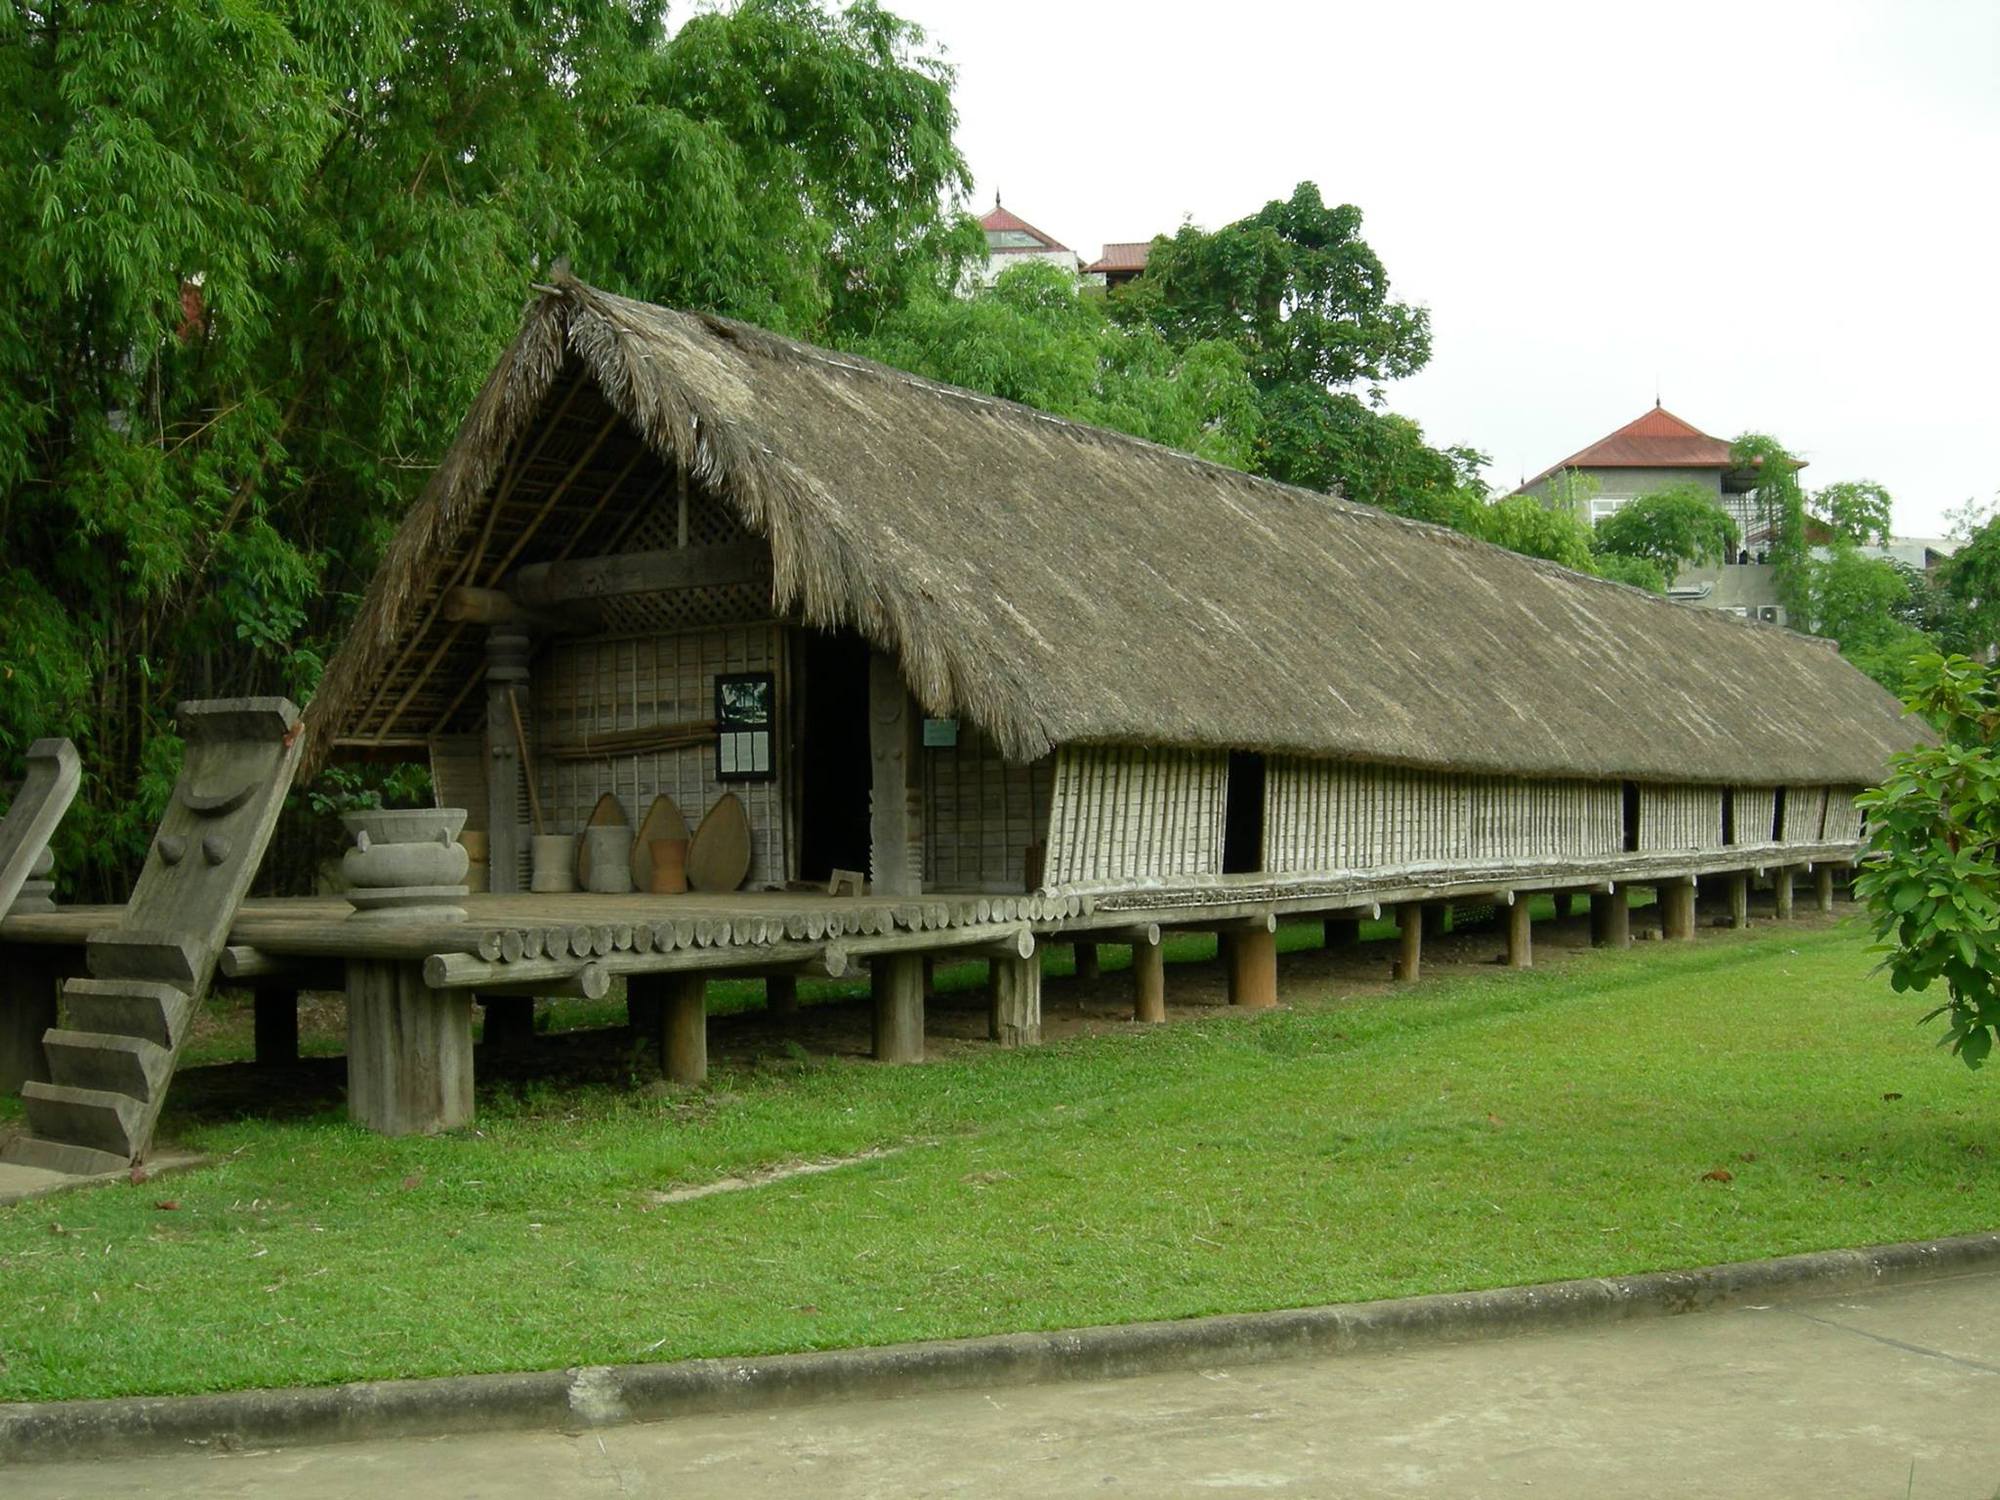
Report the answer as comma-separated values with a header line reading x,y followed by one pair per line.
x,y
111,1062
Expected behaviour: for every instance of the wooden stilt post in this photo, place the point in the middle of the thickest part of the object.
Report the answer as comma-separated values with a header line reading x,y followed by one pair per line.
x,y
1781,892
1823,887
1253,967
1410,948
1677,910
30,980
781,994
1149,981
684,1028
1618,919
1087,967
409,1049
510,1021
1017,1002
1341,932
897,982
275,1023
1559,899
1739,900
1520,934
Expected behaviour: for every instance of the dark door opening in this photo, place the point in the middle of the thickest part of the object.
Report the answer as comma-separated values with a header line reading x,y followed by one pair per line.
x,y
834,771
1778,816
1728,816
1631,840
1243,814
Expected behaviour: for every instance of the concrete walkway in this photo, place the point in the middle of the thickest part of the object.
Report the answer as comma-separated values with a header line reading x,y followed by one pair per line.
x,y
1889,1394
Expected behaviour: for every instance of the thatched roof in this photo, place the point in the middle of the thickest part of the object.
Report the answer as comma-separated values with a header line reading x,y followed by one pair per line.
x,y
1057,583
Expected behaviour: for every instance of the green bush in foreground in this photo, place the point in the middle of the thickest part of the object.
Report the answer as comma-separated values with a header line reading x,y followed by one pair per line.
x,y
1932,878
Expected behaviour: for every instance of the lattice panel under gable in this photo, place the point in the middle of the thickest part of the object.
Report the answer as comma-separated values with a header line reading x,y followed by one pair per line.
x,y
710,523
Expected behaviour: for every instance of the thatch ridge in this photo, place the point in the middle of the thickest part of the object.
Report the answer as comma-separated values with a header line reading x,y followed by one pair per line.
x,y
1056,582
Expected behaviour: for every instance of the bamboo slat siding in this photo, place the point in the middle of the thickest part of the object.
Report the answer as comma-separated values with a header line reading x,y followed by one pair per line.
x,y
1756,814
1332,816
1805,814
1843,818
1679,817
597,686
1118,813
980,814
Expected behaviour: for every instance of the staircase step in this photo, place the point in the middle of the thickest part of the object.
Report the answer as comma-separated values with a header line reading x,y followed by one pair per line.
x,y
118,1064
96,1118
59,1156
128,1007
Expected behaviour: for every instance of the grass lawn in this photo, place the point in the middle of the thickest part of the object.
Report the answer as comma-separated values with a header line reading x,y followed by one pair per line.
x,y
1479,1129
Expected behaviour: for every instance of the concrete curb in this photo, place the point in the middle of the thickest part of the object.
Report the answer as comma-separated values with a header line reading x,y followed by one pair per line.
x,y
603,1395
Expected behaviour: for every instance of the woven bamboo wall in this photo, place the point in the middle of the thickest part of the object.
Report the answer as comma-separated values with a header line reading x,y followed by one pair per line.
x,y
1328,816
980,814
1843,818
600,686
1805,814
1680,817
1118,813
1756,814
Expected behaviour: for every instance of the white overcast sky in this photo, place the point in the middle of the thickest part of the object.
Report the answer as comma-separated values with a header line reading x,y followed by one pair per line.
x,y
1786,215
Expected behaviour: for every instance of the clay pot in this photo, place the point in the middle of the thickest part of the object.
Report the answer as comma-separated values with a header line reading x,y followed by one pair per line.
x,y
608,858
409,846
669,866
552,865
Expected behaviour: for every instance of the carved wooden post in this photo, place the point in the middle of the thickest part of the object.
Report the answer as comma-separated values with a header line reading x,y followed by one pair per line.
x,y
1739,900
896,981
895,802
1410,948
275,1022
506,693
1823,887
1149,980
1520,934
409,1049
1781,892
1016,997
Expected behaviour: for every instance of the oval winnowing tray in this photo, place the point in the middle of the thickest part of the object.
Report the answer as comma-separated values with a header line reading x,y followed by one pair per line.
x,y
719,852
663,820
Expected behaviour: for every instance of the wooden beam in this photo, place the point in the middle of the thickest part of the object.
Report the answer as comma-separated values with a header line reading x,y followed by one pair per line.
x,y
543,585
494,607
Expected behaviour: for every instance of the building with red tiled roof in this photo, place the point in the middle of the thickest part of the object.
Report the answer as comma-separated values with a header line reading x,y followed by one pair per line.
x,y
1011,239
1120,262
1652,453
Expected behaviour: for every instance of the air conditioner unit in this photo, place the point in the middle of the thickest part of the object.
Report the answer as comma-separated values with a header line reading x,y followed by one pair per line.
x,y
1768,612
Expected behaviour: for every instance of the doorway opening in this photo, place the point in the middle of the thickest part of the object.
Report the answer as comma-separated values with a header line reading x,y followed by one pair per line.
x,y
1243,814
835,776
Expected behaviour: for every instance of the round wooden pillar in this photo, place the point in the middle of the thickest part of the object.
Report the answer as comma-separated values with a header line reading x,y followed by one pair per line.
x,y
1149,982
1253,968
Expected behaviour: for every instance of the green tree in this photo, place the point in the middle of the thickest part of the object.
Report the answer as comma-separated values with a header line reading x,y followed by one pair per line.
x,y
1524,524
1299,292
262,253
1931,876
1671,529
1970,577
1031,338
1856,510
